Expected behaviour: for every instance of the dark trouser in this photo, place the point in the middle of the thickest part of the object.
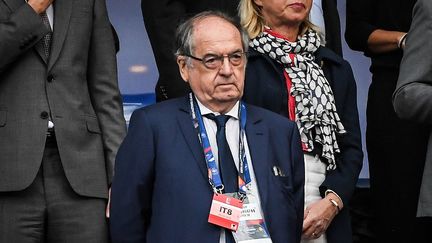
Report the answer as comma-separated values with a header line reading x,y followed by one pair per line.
x,y
396,152
49,210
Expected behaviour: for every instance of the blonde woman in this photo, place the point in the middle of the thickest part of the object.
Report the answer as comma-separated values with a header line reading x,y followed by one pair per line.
x,y
291,73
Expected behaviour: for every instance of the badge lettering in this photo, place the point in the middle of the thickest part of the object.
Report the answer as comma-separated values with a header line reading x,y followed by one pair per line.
x,y
225,211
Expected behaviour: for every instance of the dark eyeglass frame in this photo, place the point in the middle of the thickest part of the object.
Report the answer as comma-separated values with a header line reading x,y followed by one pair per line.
x,y
212,61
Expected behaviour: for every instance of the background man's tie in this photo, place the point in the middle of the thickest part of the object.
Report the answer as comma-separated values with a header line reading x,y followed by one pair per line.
x,y
48,37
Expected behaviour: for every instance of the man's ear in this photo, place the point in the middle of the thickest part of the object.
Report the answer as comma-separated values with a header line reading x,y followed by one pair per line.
x,y
183,68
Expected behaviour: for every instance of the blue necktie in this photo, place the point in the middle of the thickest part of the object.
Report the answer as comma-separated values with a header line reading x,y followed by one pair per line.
x,y
227,169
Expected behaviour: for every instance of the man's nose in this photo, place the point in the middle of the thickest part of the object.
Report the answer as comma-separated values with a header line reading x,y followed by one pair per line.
x,y
226,68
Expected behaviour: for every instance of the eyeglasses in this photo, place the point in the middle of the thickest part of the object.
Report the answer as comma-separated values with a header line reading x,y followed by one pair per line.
x,y
212,61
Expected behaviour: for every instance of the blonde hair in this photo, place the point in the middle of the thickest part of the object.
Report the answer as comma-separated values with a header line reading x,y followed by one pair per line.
x,y
252,20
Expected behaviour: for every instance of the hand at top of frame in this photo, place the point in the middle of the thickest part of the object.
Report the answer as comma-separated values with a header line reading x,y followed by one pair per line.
x,y
39,6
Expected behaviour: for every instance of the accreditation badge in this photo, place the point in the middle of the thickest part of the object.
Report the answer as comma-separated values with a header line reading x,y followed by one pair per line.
x,y
252,228
225,211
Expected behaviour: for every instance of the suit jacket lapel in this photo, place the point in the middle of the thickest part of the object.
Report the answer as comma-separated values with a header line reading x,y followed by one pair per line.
x,y
257,138
190,135
39,48
62,14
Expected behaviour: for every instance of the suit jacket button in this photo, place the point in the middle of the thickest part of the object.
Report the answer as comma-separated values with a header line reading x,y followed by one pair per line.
x,y
44,115
50,78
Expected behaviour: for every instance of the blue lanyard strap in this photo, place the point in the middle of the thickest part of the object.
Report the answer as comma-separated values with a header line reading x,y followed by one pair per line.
x,y
213,171
244,175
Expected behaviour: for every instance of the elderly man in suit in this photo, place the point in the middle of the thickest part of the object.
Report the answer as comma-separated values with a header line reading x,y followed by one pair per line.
x,y
61,120
413,98
187,162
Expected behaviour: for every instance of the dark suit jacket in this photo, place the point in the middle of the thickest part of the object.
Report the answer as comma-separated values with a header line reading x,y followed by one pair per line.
x,y
413,96
161,191
77,87
265,87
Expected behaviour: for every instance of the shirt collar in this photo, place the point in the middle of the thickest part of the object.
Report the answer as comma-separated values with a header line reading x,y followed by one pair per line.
x,y
232,113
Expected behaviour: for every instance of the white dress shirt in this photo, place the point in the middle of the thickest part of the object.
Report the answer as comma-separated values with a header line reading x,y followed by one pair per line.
x,y
232,130
50,14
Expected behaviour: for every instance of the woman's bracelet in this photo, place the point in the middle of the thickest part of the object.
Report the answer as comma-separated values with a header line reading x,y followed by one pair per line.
x,y
335,204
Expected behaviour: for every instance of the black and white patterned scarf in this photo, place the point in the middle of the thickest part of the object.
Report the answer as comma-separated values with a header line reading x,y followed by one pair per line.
x,y
316,115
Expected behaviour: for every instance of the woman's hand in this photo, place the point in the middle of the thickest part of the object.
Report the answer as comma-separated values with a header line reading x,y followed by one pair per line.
x,y
317,218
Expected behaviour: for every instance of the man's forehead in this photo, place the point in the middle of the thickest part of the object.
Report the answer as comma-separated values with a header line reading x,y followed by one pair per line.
x,y
216,33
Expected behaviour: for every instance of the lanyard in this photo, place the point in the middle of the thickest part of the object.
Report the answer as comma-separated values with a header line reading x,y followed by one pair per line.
x,y
213,171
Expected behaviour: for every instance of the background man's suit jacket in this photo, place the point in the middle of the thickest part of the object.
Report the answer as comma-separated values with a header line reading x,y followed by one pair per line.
x,y
77,87
413,96
161,19
332,25
161,192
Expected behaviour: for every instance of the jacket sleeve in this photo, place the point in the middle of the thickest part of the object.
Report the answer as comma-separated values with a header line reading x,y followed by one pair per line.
x,y
103,86
332,26
413,96
19,32
133,183
359,23
299,172
343,179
